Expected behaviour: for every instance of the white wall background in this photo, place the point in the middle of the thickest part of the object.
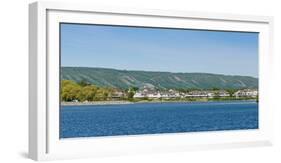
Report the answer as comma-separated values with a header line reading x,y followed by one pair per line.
x,y
14,80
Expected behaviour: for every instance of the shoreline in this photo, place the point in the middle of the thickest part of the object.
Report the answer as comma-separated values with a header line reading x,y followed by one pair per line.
x,y
96,103
138,102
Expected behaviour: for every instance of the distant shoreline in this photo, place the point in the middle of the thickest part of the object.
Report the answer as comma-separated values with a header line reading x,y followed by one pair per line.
x,y
96,103
138,102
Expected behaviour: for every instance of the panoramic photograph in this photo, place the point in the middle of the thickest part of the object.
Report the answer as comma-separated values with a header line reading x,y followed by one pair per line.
x,y
126,80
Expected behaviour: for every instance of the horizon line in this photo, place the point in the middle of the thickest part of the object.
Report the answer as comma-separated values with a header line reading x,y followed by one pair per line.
x,y
158,71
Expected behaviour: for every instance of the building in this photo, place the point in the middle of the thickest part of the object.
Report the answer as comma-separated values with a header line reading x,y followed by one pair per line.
x,y
246,93
223,93
139,95
199,94
148,93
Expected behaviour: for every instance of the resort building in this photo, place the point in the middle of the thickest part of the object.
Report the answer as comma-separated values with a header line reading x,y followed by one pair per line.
x,y
139,95
246,93
151,93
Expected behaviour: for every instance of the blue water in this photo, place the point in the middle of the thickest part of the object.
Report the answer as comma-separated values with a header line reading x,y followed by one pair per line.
x,y
153,118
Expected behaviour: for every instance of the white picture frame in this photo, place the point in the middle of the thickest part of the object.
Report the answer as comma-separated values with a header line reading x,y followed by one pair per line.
x,y
44,142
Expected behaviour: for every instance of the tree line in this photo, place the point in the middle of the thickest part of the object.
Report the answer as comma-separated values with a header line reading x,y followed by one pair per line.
x,y
83,91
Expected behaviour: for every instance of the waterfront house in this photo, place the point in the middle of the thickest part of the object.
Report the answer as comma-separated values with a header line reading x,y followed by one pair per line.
x,y
246,93
139,94
154,95
223,93
197,94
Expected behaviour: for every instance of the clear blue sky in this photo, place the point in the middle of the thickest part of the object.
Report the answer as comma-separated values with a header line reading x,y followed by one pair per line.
x,y
156,49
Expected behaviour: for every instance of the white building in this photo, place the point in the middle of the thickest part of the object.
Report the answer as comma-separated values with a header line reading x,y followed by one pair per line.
x,y
246,93
223,94
139,95
154,95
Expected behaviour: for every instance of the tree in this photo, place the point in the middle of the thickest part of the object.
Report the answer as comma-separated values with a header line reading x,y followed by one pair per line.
x,y
87,93
131,95
83,91
231,92
69,90
215,89
134,89
131,92
101,94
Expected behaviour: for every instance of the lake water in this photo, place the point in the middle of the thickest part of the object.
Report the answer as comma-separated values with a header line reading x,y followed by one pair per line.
x,y
155,118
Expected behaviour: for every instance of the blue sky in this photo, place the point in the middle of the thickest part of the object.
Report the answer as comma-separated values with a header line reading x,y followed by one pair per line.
x,y
158,49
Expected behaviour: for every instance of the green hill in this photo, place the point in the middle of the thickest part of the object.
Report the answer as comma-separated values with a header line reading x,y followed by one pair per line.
x,y
124,79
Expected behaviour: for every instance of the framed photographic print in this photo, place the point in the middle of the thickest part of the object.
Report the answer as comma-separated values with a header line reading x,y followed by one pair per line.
x,y
110,81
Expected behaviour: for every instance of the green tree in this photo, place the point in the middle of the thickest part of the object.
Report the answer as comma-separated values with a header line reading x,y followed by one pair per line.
x,y
83,91
69,90
101,94
131,95
131,92
231,92
134,89
87,93
215,89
